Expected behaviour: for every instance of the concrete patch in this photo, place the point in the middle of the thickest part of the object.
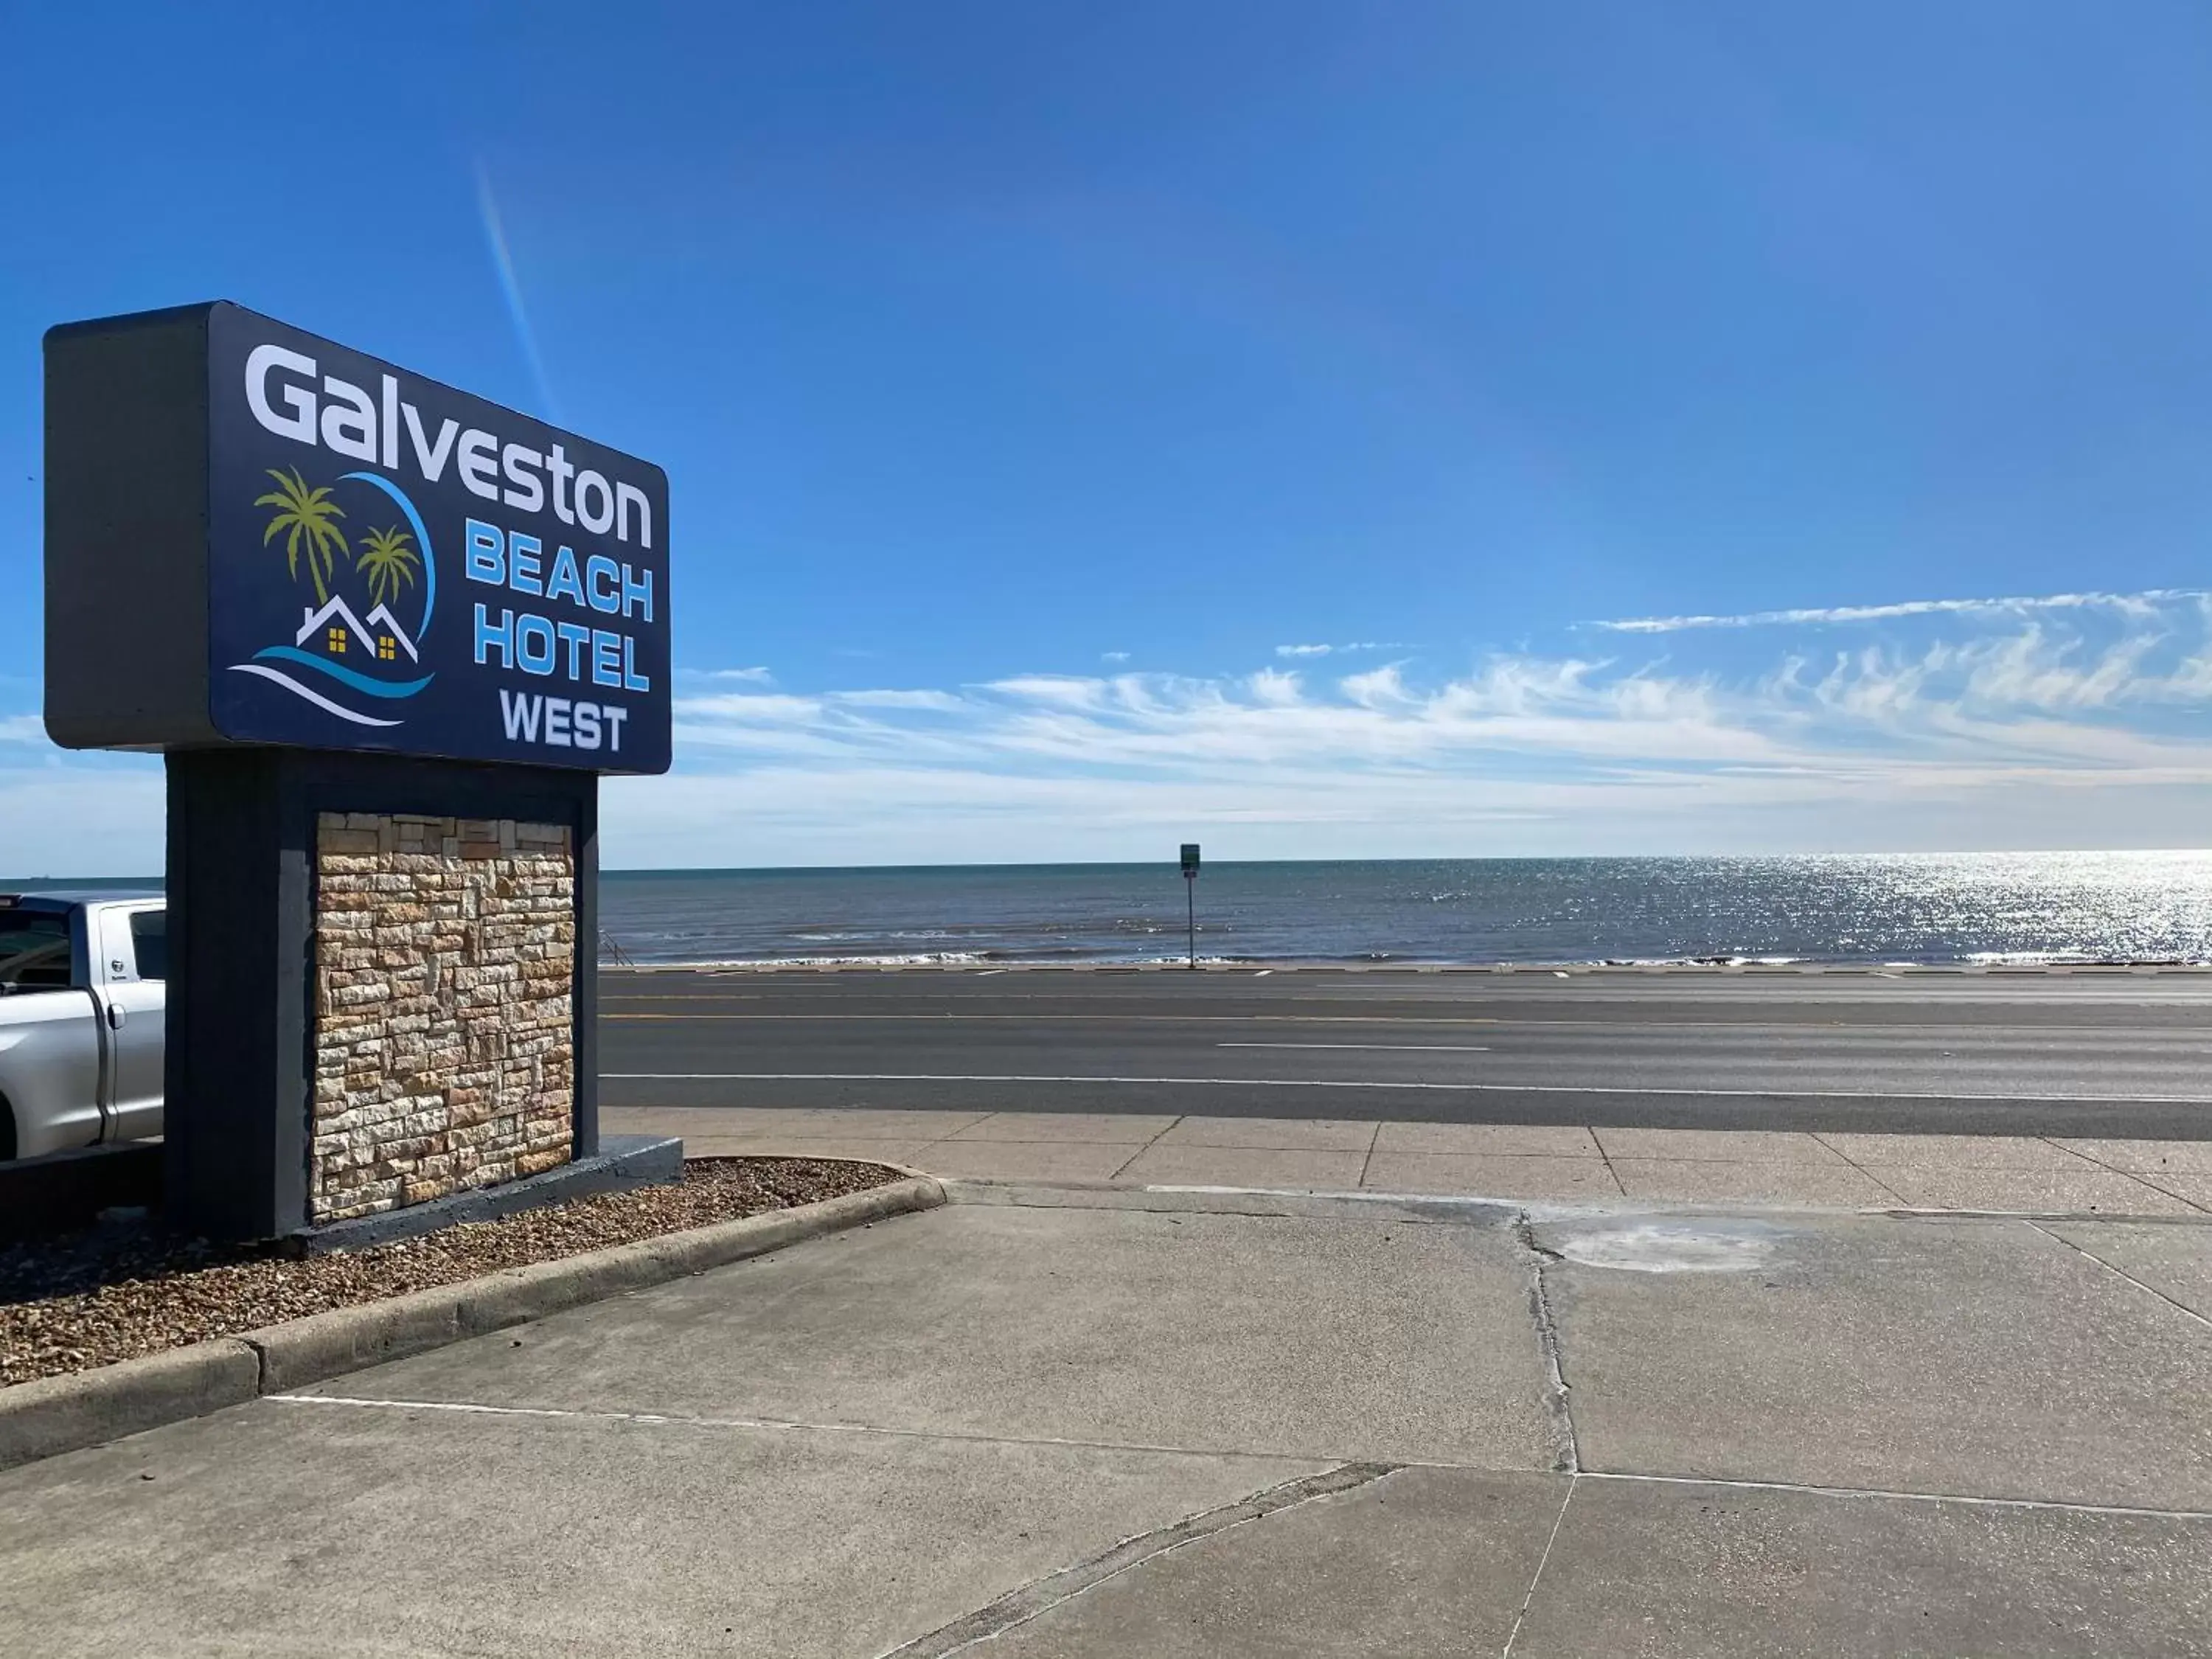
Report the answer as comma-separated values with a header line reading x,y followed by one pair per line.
x,y
1349,1340
1694,1570
1981,1357
1662,1245
1425,1563
329,1529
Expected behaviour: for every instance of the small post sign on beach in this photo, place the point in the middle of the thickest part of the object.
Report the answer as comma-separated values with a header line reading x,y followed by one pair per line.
x,y
1190,897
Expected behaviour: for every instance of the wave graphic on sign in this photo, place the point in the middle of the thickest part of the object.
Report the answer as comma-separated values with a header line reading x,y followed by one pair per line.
x,y
361,682
313,697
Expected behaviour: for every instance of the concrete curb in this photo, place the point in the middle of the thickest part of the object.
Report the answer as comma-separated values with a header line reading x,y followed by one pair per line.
x,y
58,1414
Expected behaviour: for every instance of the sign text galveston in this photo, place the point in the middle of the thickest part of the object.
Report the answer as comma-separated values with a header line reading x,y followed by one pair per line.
x,y
391,564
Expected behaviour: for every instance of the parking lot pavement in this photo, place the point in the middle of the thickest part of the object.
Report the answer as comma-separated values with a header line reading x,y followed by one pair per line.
x,y
1087,1421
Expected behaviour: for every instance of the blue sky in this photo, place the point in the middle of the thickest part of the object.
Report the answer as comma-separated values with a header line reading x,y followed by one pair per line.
x,y
1704,428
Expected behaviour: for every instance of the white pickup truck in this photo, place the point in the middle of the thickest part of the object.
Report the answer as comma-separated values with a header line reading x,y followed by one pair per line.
x,y
83,991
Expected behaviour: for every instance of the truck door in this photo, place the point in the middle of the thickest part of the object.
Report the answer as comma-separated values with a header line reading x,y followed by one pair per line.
x,y
134,961
50,1046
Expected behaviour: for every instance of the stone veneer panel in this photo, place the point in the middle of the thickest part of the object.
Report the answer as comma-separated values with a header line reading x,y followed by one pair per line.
x,y
445,967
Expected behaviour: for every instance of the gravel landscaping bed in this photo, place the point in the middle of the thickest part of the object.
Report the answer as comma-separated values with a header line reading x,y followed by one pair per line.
x,y
117,1292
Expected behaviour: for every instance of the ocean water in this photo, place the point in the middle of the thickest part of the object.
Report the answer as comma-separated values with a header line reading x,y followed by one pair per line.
x,y
1935,909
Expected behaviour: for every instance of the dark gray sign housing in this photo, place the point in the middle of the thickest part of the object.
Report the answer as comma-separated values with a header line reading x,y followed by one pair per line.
x,y
387,635
259,536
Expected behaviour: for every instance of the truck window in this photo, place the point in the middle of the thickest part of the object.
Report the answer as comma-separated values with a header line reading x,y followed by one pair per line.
x,y
149,942
34,951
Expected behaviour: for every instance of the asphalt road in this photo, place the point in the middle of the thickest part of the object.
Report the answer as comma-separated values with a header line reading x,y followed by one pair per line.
x,y
2120,1054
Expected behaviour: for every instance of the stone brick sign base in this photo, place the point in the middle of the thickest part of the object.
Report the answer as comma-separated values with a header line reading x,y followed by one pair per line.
x,y
445,967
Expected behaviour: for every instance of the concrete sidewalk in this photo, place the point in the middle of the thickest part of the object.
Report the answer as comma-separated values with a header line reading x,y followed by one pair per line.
x,y
1061,1421
2013,1174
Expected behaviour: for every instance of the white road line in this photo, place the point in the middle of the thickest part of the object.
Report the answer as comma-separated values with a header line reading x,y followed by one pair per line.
x,y
1332,1083
1371,1047
2008,1036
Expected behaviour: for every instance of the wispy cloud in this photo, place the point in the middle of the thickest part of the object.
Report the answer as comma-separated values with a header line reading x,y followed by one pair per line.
x,y
2042,729
1113,656
2051,724
936,701
2139,605
1340,650
755,675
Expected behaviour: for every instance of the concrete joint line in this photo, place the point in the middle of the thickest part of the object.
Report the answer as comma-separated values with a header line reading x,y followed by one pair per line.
x,y
1871,1176
2136,1176
2182,1308
58,1414
1605,1157
1041,1595
1966,1499
801,1425
1019,1195
983,1189
1926,1212
2180,1198
1544,1560
1557,1408
1155,1141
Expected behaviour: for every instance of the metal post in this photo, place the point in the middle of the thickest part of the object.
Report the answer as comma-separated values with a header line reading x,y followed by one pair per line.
x,y
1190,897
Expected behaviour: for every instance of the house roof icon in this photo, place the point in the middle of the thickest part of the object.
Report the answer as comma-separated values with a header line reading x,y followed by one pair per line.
x,y
382,615
313,621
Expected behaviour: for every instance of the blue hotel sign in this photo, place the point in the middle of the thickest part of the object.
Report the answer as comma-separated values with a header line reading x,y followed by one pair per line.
x,y
256,536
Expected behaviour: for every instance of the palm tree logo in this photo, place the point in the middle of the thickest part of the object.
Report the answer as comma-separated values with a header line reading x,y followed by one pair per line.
x,y
387,560
307,514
